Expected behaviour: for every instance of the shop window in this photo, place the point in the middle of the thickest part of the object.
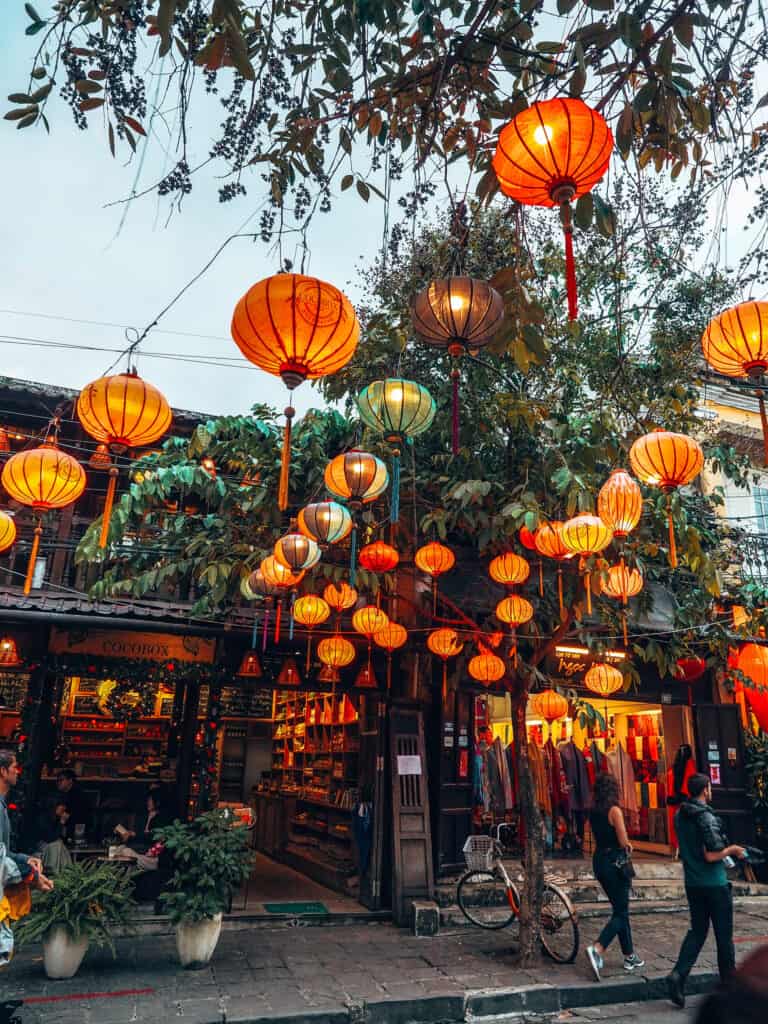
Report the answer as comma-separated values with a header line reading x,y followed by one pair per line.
x,y
760,496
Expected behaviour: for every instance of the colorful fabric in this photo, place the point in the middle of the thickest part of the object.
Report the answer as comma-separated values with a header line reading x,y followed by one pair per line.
x,y
14,902
620,766
575,769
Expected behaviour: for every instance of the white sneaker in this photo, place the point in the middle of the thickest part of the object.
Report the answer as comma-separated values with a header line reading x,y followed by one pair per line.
x,y
633,962
595,961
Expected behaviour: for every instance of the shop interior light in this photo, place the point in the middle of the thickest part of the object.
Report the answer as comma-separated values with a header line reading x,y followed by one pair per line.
x,y
583,652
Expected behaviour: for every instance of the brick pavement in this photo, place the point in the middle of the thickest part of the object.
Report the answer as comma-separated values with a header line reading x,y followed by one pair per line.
x,y
333,974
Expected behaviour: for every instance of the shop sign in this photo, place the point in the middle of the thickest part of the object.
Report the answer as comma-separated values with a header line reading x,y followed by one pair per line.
x,y
571,661
408,764
104,643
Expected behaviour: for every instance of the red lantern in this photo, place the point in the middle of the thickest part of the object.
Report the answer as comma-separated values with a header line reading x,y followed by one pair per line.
x,y
378,557
688,670
527,539
548,155
753,663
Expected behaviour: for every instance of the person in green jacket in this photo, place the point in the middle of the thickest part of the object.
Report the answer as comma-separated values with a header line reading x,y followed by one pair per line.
x,y
703,850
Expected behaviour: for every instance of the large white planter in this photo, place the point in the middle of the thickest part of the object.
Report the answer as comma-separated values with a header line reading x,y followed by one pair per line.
x,y
196,941
62,955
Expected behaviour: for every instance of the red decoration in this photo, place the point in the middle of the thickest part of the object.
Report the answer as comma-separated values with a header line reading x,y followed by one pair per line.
x,y
378,557
527,538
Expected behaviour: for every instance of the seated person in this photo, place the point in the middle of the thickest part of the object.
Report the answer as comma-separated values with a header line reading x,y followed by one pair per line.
x,y
77,804
142,840
52,837
154,865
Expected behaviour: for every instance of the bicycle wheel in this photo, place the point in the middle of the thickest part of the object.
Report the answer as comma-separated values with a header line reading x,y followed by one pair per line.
x,y
485,900
559,925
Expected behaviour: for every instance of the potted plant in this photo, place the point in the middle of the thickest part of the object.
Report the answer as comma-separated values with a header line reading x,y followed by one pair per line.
x,y
88,902
211,858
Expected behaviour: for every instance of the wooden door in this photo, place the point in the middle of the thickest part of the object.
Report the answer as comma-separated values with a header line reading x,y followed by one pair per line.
x,y
720,753
413,876
374,880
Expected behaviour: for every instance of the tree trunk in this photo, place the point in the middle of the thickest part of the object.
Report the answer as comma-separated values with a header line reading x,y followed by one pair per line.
x,y
533,848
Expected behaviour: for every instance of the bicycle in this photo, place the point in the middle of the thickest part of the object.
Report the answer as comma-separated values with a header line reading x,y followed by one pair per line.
x,y
489,899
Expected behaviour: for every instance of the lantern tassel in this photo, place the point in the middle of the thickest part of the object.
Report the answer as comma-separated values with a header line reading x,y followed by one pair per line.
x,y
33,557
672,543
455,411
394,511
278,620
764,421
266,631
624,626
588,588
285,461
389,671
541,578
570,263
353,557
445,680
108,503
624,596
560,591
309,652
293,621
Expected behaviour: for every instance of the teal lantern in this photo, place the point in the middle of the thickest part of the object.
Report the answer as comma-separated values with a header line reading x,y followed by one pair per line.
x,y
399,409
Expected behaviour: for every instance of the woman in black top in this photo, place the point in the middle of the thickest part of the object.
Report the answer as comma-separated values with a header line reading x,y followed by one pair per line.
x,y
612,846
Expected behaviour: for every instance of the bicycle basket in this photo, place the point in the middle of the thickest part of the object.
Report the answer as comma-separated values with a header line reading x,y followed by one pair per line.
x,y
478,853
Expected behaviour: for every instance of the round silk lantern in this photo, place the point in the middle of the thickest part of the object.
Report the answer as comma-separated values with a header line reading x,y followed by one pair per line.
x,y
340,596
326,522
297,552
622,583
336,652
445,644
298,328
391,638
515,611
736,344
357,478
399,409
527,538
43,478
603,679
550,705
434,559
121,411
620,503
378,557
369,620
549,542
277,575
486,668
7,531
459,314
586,535
310,611
667,460
752,661
550,154
509,569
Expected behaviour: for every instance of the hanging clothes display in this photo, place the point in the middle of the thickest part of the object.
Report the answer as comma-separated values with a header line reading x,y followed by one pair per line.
x,y
683,767
620,766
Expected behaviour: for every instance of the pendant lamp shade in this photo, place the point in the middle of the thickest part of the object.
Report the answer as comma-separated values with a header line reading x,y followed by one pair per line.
x,y
311,611
550,154
434,559
509,569
289,673
366,678
44,478
7,531
336,652
378,557
298,328
486,668
340,596
396,408
250,666
620,503
514,610
326,522
550,705
369,620
603,679
667,460
277,575
9,654
457,313
391,637
356,477
123,411
297,552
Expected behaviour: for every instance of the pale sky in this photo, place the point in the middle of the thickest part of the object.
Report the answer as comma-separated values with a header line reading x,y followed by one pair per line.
x,y
60,257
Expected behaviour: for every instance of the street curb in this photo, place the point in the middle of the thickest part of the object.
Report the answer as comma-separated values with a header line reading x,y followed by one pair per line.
x,y
478,1005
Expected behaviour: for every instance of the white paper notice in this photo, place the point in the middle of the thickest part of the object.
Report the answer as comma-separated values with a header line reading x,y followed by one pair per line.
x,y
408,764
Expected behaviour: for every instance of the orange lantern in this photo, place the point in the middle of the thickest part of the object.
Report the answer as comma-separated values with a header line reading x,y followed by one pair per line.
x,y
620,503
378,557
603,679
486,668
586,535
340,597
326,522
310,611
622,583
336,651
667,460
458,314
752,661
297,552
369,620
298,328
549,542
43,478
9,653
736,344
357,478
515,611
509,569
434,559
550,154
275,574
121,411
7,531
550,705
392,637
445,644
527,538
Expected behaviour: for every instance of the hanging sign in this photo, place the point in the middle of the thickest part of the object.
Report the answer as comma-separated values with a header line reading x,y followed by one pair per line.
x,y
408,764
714,774
105,643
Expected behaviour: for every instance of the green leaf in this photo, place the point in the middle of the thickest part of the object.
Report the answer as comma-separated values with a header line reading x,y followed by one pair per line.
x,y
34,28
34,16
363,191
605,218
20,97
584,211
19,113
347,181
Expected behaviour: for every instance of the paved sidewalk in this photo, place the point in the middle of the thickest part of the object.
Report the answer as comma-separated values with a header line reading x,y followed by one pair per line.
x,y
354,973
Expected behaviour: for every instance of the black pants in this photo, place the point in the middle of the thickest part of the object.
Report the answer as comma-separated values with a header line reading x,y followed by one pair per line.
x,y
617,888
715,904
